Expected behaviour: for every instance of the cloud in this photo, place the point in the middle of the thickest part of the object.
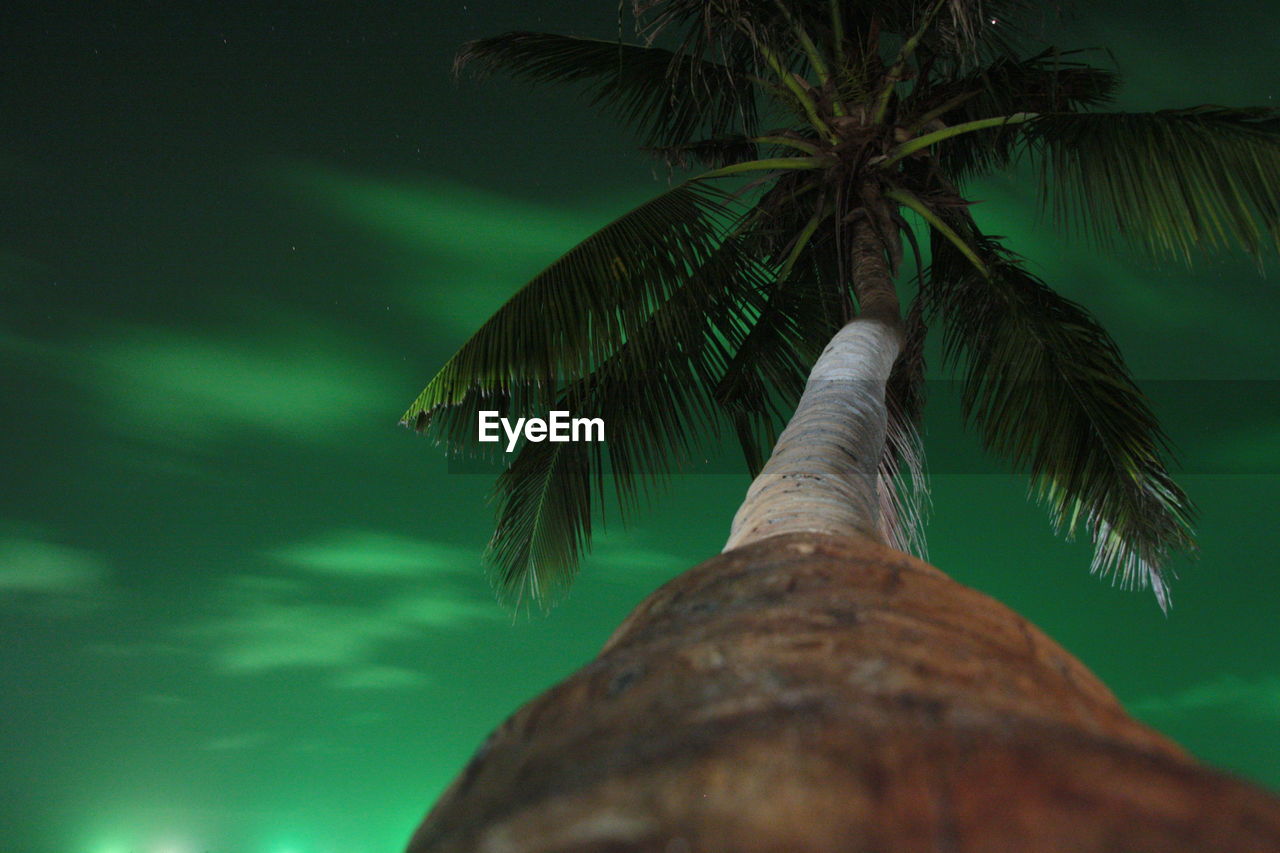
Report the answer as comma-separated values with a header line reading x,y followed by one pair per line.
x,y
32,567
453,252
405,588
378,678
1258,698
355,553
300,384
442,216
269,635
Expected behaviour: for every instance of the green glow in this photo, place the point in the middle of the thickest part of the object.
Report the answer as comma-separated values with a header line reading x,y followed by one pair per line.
x,y
244,612
33,567
300,386
1258,698
367,552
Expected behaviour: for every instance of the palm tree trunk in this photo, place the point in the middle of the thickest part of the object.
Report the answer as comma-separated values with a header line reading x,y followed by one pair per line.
x,y
816,693
821,477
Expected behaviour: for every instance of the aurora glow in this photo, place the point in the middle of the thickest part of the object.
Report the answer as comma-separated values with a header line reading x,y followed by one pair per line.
x,y
243,611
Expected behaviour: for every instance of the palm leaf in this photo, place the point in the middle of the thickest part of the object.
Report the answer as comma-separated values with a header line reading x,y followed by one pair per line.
x,y
654,396
671,99
903,482
1046,388
1050,81
572,316
763,381
1174,182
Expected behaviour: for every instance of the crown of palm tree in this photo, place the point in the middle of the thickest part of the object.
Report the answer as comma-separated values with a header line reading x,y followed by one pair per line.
x,y
703,308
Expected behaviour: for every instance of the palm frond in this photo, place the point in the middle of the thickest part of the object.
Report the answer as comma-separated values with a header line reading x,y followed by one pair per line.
x,y
544,521
1175,182
763,381
671,99
1047,389
654,395
572,316
1051,81
903,482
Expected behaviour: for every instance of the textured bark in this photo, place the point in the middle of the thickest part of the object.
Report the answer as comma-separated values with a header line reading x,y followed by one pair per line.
x,y
873,282
821,476
810,693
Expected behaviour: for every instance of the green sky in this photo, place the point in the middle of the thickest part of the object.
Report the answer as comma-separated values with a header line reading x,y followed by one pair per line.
x,y
242,611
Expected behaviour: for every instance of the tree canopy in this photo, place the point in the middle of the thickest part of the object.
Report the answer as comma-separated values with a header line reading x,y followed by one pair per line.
x,y
701,310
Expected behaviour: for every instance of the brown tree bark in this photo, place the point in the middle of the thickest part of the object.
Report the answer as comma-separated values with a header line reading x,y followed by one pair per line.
x,y
811,693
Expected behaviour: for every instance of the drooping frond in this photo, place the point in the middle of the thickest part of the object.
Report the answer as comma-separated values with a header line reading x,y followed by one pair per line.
x,y
903,481
572,316
670,99
1047,389
1175,182
654,394
544,521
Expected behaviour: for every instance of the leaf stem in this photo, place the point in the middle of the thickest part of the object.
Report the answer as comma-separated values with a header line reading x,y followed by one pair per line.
x,y
780,163
905,198
900,63
913,145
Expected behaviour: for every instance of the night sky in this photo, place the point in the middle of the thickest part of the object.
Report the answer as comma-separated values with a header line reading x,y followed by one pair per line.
x,y
242,611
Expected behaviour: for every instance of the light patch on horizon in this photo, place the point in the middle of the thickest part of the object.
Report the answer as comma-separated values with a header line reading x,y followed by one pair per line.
x,y
40,568
1259,698
177,387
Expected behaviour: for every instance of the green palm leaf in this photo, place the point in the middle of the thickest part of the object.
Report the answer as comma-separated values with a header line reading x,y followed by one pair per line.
x,y
1174,182
1051,81
654,393
672,99
572,316
1046,388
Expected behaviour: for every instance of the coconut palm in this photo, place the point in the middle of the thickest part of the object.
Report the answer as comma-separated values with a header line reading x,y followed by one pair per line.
x,y
705,307
812,688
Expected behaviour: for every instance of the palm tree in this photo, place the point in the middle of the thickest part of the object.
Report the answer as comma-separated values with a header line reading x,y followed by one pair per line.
x,y
812,684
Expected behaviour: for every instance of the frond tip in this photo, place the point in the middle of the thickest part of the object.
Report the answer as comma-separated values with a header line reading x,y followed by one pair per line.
x,y
1175,182
1047,389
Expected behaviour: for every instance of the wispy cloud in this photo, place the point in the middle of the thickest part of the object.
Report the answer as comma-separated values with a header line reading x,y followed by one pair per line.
x,y
443,216
403,589
1259,697
377,554
376,677
298,384
454,252
31,567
